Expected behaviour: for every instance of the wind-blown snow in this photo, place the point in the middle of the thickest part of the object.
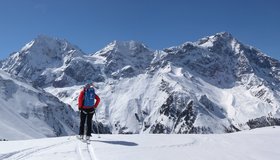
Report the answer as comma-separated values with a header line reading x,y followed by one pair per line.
x,y
257,144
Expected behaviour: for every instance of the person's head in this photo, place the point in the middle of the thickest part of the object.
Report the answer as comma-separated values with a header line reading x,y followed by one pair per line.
x,y
89,85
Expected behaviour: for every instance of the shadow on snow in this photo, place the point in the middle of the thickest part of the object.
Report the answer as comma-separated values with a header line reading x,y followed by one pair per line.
x,y
123,143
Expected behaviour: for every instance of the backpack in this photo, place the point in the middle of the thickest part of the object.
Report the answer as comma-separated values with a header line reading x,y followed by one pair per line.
x,y
89,97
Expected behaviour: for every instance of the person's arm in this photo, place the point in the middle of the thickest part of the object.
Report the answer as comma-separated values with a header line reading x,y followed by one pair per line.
x,y
97,101
81,99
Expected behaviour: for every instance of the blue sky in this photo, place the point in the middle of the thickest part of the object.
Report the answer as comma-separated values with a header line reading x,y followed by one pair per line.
x,y
92,24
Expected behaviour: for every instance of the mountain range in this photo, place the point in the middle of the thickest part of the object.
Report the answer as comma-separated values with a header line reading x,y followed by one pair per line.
x,y
213,85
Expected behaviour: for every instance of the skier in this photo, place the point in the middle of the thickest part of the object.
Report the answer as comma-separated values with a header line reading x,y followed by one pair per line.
x,y
87,108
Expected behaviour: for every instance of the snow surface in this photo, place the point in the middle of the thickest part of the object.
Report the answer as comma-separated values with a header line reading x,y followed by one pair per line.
x,y
257,144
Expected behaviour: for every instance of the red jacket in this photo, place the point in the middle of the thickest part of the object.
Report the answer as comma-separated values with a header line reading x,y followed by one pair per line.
x,y
81,99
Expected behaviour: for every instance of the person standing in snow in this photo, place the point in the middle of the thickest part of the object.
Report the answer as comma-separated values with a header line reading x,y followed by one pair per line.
x,y
87,106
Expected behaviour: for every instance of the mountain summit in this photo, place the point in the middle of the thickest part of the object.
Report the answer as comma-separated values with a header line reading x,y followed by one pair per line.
x,y
222,38
131,47
40,55
125,58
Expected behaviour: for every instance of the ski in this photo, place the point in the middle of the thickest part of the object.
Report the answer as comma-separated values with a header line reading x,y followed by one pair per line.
x,y
87,141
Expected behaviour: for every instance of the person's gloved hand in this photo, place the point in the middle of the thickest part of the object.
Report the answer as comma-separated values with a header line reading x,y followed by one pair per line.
x,y
93,110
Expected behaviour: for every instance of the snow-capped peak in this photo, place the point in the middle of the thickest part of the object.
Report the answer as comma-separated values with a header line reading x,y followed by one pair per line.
x,y
52,47
131,47
224,35
39,55
222,38
125,58
40,40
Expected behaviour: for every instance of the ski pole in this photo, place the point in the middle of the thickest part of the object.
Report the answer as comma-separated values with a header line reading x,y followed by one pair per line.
x,y
97,125
85,129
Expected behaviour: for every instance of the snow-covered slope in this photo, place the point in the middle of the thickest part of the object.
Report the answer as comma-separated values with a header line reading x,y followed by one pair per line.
x,y
214,85
27,112
258,144
170,102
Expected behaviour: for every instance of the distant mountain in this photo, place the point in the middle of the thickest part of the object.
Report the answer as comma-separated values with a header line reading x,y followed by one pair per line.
x,y
227,84
27,112
49,61
223,61
214,85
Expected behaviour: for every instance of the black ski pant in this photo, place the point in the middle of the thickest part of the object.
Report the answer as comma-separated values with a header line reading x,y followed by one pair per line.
x,y
86,115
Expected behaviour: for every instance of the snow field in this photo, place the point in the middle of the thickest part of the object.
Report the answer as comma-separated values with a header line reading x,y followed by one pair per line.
x,y
258,144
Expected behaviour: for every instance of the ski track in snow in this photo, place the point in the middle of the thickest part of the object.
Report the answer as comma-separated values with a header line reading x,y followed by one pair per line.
x,y
8,155
85,150
90,150
25,153
79,151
